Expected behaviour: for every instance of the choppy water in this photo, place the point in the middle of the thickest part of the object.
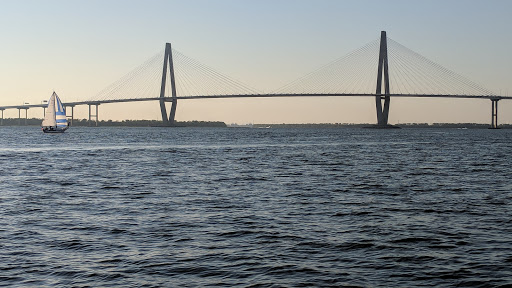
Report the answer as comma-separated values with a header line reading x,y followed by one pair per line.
x,y
156,207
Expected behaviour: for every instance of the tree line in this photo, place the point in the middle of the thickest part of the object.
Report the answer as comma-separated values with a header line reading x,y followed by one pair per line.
x,y
127,123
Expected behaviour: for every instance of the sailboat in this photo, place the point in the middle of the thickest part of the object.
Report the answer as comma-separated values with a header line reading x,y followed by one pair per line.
x,y
55,117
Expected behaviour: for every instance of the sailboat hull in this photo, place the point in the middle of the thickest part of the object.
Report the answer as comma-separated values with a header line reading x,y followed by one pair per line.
x,y
52,130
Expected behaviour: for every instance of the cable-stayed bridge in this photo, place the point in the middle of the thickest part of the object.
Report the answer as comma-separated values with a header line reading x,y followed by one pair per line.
x,y
381,69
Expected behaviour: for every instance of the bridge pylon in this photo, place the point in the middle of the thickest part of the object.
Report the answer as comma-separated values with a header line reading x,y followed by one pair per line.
x,y
168,65
383,71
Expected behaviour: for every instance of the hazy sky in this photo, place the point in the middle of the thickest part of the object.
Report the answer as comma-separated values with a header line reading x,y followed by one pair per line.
x,y
77,48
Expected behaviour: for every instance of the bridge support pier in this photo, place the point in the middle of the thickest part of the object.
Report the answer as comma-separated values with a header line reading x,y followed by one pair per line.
x,y
95,115
19,115
494,113
383,110
168,121
71,117
2,120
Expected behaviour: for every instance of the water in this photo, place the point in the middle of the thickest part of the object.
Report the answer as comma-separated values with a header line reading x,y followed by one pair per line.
x,y
157,207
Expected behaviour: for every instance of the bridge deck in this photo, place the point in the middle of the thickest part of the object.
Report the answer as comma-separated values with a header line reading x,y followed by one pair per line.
x,y
169,99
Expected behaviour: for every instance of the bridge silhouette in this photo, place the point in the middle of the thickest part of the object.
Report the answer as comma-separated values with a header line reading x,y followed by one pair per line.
x,y
374,70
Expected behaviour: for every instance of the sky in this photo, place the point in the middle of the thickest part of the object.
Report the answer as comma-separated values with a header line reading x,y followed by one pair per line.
x,y
77,48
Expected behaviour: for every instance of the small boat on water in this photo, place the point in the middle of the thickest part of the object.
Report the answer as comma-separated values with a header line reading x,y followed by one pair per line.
x,y
55,116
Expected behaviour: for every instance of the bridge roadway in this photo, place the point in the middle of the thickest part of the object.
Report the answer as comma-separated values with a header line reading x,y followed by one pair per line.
x,y
169,99
493,98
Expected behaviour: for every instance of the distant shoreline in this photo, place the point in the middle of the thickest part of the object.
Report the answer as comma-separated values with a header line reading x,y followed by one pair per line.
x,y
220,124
404,125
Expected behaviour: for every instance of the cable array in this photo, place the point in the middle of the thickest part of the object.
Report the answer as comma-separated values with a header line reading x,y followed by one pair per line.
x,y
196,79
409,73
412,73
351,74
191,78
142,82
355,73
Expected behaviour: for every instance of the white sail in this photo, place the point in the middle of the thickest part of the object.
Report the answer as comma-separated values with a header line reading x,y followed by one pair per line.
x,y
60,113
49,117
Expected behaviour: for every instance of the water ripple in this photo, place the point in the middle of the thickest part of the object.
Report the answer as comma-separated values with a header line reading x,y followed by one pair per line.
x,y
156,207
